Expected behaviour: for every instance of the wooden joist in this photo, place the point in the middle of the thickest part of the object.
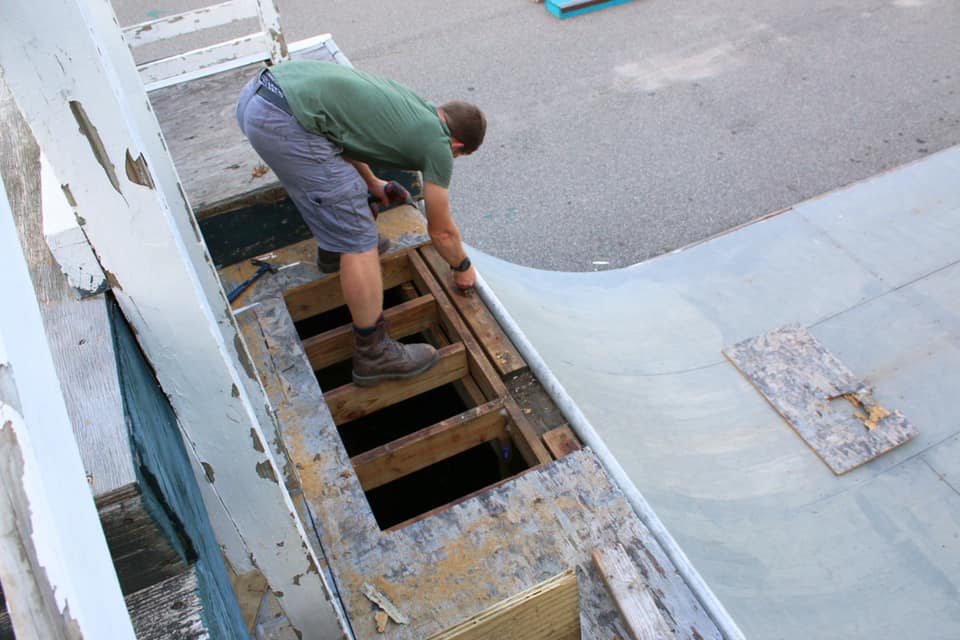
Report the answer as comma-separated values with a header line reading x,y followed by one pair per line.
x,y
631,594
478,318
547,611
561,441
325,294
423,448
402,320
481,370
350,402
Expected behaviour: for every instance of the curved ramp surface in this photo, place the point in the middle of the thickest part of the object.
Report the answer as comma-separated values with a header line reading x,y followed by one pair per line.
x,y
792,550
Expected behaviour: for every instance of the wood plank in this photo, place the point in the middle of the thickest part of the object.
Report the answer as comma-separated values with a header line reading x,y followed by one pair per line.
x,y
350,402
561,441
335,345
826,404
631,595
169,609
325,294
478,318
428,446
546,611
482,371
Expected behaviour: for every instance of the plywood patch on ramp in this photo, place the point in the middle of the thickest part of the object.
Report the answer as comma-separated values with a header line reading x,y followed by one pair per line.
x,y
825,403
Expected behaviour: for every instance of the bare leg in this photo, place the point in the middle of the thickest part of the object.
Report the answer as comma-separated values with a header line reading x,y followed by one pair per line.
x,y
362,286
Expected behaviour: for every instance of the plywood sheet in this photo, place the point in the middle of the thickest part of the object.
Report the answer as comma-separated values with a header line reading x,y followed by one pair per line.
x,y
829,407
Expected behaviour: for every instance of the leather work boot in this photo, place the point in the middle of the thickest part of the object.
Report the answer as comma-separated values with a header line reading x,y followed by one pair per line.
x,y
329,261
377,357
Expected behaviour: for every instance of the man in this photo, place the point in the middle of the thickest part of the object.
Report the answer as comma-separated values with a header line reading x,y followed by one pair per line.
x,y
319,125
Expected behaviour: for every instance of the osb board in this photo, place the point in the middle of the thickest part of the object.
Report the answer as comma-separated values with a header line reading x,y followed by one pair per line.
x,y
467,558
826,404
297,263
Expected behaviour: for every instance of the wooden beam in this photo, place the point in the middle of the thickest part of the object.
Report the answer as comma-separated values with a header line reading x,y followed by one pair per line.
x,y
325,294
561,441
428,446
478,318
527,440
547,611
350,402
403,320
631,594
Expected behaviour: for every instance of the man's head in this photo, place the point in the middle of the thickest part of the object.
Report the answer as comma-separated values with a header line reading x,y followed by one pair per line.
x,y
466,123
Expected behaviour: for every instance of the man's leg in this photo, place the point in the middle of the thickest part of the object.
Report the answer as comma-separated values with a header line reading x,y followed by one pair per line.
x,y
375,356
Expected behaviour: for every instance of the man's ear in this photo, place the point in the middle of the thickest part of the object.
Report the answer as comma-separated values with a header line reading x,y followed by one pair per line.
x,y
456,145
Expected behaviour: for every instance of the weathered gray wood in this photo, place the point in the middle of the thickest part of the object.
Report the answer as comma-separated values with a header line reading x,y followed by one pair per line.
x,y
800,378
633,597
461,560
169,609
142,553
78,330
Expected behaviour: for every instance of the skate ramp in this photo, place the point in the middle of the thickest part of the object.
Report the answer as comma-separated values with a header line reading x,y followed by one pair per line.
x,y
792,550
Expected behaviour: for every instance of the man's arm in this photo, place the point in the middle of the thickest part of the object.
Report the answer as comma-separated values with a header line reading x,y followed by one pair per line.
x,y
445,233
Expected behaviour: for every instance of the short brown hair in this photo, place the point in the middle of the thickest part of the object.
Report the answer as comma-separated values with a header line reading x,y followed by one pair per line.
x,y
466,123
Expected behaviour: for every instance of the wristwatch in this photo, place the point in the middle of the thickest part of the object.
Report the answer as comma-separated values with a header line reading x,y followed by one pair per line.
x,y
463,266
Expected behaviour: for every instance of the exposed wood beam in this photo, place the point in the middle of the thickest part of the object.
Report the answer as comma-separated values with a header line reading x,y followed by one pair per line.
x,y
350,402
631,594
428,446
403,320
325,294
527,440
478,318
561,441
546,611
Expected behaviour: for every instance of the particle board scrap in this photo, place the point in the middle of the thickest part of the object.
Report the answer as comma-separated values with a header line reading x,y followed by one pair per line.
x,y
804,382
546,611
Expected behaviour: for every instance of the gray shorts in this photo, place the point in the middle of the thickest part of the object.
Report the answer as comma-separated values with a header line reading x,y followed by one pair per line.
x,y
326,189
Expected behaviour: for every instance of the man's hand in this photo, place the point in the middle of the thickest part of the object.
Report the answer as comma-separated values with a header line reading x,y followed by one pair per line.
x,y
378,188
465,280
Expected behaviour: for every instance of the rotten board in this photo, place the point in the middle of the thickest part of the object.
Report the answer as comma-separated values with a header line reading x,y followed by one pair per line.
x,y
546,611
632,595
561,441
478,318
826,404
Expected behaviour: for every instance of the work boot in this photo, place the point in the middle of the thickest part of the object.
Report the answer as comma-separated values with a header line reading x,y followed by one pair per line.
x,y
329,261
376,357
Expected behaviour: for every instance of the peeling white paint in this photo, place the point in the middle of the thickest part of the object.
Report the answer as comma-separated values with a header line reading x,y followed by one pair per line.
x,y
65,528
64,236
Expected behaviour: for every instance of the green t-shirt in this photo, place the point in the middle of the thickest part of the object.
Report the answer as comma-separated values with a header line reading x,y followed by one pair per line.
x,y
374,119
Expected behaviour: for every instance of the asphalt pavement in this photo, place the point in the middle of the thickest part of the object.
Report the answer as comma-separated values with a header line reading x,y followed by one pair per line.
x,y
637,129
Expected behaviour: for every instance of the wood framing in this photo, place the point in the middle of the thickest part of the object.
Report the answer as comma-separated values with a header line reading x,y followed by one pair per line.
x,y
350,402
547,611
561,441
325,294
418,450
631,595
335,345
478,318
